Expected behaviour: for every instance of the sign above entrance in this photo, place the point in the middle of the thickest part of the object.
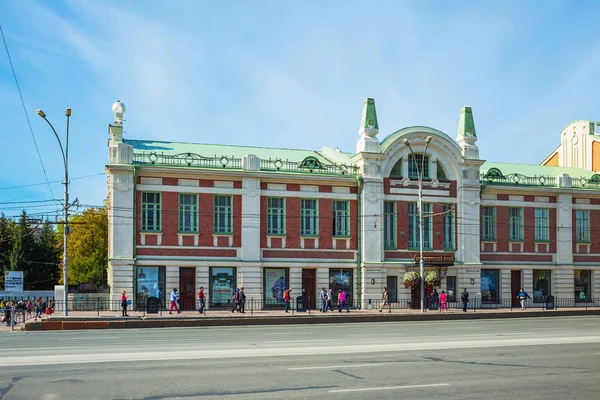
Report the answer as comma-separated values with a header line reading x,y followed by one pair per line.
x,y
436,260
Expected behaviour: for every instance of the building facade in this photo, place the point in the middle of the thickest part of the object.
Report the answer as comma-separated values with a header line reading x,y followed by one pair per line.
x,y
186,215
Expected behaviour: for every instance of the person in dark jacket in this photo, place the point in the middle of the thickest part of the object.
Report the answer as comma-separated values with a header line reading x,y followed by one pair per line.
x,y
464,296
241,301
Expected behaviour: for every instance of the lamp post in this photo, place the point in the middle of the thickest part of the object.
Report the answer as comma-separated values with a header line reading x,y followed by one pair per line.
x,y
420,211
65,155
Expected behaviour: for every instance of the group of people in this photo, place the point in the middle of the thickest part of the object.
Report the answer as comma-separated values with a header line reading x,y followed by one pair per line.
x,y
327,297
39,306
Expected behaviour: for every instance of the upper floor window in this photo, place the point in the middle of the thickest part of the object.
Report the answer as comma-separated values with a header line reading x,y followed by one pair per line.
x,y
448,227
389,224
582,226
223,215
276,216
416,163
188,212
151,220
488,223
413,226
341,218
309,223
515,223
397,170
541,225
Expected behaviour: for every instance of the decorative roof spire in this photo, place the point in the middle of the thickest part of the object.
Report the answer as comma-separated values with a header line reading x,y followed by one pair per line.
x,y
466,126
368,123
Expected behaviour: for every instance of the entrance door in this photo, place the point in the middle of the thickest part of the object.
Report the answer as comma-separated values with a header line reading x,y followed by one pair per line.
x,y
309,284
515,287
187,289
415,296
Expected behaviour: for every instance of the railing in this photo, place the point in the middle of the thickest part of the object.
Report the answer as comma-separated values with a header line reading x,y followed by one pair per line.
x,y
518,179
186,160
303,166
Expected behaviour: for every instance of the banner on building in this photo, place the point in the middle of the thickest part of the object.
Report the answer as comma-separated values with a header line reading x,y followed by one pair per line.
x,y
13,281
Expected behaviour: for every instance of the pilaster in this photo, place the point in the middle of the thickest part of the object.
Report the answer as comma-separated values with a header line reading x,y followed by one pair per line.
x,y
564,233
250,250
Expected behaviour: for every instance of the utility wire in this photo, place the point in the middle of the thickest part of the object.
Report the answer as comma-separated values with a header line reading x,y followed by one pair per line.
x,y
25,111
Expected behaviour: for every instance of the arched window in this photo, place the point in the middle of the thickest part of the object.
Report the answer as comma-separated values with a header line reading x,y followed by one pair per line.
x,y
441,174
494,173
397,170
415,163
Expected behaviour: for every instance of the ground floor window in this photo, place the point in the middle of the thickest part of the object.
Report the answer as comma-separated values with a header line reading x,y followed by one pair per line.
x,y
151,283
582,285
541,285
489,286
275,281
451,288
222,284
392,286
340,279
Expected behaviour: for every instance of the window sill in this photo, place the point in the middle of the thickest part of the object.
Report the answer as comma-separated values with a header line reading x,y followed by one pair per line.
x,y
309,236
188,233
516,241
222,234
489,240
277,235
583,243
341,237
151,232
542,242
418,249
450,249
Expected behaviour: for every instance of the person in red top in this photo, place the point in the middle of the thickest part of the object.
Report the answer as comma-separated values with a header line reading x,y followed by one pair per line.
x,y
287,298
201,300
124,303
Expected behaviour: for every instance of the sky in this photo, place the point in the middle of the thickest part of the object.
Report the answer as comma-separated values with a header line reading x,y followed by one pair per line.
x,y
290,74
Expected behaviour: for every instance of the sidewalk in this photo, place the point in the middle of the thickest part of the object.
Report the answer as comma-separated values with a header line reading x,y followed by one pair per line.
x,y
114,320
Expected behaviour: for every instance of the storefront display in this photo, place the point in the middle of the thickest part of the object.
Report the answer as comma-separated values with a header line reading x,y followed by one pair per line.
x,y
541,285
275,282
340,279
150,283
222,286
489,286
582,285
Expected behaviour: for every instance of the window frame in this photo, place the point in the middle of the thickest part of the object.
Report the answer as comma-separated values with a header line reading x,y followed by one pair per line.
x,y
227,211
542,224
390,225
279,216
582,232
413,226
183,210
515,224
156,211
488,224
341,217
309,218
448,227
415,162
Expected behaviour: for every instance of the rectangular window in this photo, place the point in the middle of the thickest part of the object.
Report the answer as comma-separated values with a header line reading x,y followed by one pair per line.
x,y
341,218
515,223
275,282
451,287
582,285
222,284
448,227
490,289
188,213
389,224
223,219
541,285
416,163
340,279
309,225
488,223
151,220
275,216
150,284
582,226
413,226
541,225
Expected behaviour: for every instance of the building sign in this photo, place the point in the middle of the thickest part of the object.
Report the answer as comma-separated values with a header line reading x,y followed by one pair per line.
x,y
436,260
13,281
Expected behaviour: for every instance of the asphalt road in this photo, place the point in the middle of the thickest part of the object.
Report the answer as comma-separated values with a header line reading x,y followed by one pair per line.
x,y
537,358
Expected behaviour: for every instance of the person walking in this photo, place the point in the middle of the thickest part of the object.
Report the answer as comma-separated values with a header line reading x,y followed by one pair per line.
x,y
241,301
344,301
39,311
324,298
443,301
201,300
174,301
464,296
435,300
287,298
523,296
329,301
235,299
385,301
124,304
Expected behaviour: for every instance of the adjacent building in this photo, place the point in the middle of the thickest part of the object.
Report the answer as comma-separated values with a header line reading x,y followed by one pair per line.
x,y
186,215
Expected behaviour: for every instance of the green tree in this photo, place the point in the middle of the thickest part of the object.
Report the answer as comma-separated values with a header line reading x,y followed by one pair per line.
x,y
46,271
23,248
6,244
88,246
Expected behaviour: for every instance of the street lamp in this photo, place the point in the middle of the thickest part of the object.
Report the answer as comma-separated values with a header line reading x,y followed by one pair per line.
x,y
420,211
65,155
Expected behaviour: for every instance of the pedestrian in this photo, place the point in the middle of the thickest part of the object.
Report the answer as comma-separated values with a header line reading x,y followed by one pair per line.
x,y
385,301
39,311
329,300
443,301
523,296
174,301
29,307
241,301
582,296
344,301
435,300
7,313
287,298
464,296
124,304
201,301
324,298
235,300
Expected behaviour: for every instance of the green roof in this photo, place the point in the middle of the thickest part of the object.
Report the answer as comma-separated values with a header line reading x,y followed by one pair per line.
x,y
466,125
532,170
369,115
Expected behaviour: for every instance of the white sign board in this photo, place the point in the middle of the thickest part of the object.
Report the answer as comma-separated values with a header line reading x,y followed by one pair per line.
x,y
13,281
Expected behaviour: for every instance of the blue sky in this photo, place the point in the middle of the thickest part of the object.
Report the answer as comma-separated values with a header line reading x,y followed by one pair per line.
x,y
285,74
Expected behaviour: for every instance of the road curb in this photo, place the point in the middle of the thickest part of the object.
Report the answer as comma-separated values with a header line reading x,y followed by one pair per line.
x,y
75,323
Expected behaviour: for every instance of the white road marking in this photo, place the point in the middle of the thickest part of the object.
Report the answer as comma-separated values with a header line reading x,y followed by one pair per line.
x,y
388,388
336,366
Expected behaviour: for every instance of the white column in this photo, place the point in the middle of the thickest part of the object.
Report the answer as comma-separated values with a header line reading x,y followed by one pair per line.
x,y
505,284
322,279
564,231
202,280
403,293
527,281
250,222
595,283
372,222
172,280
466,275
374,279
563,284
296,282
250,278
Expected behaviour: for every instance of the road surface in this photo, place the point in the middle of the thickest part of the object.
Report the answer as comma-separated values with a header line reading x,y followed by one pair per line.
x,y
532,358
